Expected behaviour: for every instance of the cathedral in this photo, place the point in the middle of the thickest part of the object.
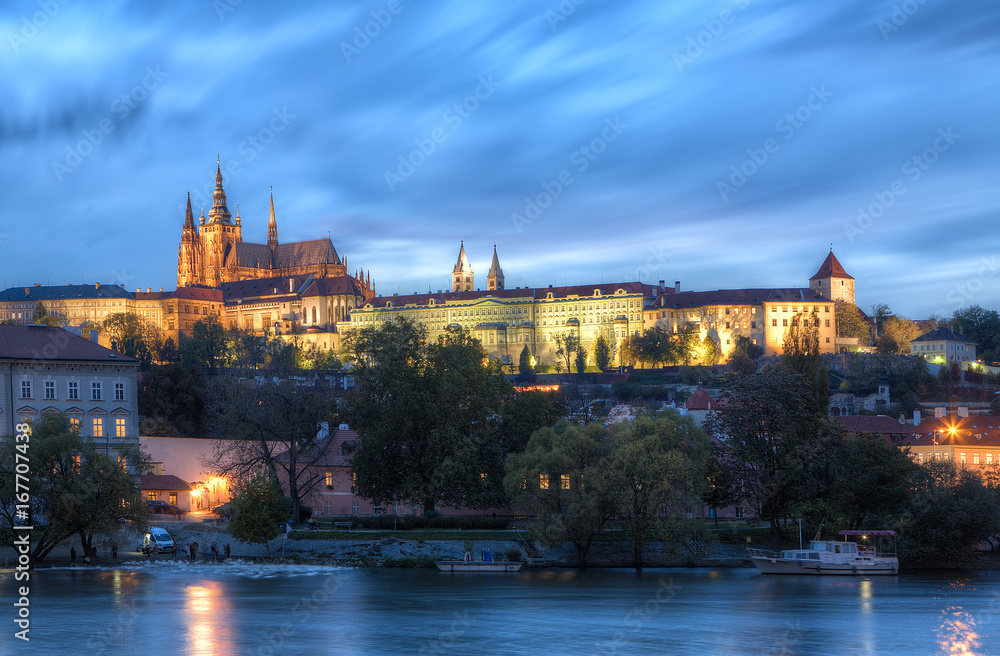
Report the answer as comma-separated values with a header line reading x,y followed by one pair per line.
x,y
213,252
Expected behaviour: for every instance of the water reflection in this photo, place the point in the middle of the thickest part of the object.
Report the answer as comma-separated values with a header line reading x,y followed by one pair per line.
x,y
207,611
957,633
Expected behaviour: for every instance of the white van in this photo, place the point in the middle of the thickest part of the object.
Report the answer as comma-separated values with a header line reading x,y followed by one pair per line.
x,y
158,536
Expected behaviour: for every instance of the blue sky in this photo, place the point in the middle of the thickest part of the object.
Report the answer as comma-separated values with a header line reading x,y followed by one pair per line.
x,y
722,144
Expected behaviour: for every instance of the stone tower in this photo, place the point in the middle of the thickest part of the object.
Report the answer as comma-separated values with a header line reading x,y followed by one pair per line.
x,y
189,250
216,234
494,279
832,281
461,275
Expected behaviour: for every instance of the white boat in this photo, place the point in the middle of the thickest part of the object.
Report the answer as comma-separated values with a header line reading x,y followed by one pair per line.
x,y
833,558
477,566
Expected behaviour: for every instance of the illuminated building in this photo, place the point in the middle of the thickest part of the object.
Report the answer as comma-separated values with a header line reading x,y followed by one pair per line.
x,y
944,346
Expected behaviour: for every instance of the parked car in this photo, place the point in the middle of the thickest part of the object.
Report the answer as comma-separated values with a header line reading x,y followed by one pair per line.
x,y
163,508
225,510
159,537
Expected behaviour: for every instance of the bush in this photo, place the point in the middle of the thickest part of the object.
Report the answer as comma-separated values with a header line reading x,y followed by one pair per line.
x,y
435,521
409,562
512,554
305,513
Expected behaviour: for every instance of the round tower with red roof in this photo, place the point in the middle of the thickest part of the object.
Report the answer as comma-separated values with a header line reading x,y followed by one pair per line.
x,y
833,281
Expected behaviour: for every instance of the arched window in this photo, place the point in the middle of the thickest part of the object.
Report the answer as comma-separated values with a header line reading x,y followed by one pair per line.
x,y
314,316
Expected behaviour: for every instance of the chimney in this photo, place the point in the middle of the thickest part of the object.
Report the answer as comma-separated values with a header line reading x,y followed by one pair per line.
x,y
939,412
161,289
963,411
916,417
38,284
138,290
27,292
902,418
97,285
677,286
663,285
149,289
291,285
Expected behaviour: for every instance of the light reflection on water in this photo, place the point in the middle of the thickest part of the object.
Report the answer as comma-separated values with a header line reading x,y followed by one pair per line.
x,y
247,609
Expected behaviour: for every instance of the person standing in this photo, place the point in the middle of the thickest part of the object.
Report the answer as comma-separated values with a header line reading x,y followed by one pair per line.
x,y
72,556
227,551
214,552
194,551
155,551
114,550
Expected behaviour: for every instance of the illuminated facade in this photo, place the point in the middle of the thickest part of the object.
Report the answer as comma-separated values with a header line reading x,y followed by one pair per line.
x,y
944,346
969,442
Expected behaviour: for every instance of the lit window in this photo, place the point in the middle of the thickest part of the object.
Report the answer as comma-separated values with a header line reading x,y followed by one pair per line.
x,y
329,479
975,458
989,458
173,498
120,427
543,481
74,424
151,496
564,481
98,427
123,462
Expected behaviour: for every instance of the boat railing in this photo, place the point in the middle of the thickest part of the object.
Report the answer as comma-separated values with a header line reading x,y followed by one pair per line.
x,y
762,553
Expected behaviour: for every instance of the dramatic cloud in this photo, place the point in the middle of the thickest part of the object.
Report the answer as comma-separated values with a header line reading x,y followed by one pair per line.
x,y
725,144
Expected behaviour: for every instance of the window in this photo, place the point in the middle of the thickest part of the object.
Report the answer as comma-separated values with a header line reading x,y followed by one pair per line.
x,y
151,496
314,315
354,507
173,498
25,389
50,389
74,424
774,323
543,481
975,458
98,424
119,391
753,325
739,512
989,458
76,464
784,322
327,507
95,391
73,390
961,457
123,462
564,482
329,479
120,427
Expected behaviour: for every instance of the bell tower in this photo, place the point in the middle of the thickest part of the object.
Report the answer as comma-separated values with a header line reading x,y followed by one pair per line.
x,y
462,277
833,281
494,279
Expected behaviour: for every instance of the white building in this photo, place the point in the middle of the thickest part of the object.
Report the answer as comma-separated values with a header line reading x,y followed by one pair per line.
x,y
50,370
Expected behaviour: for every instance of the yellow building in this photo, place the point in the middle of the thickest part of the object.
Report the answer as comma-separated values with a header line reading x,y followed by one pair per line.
x,y
968,442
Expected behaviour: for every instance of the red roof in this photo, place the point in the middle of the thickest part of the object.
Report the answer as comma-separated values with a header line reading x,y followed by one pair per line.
x,y
869,424
955,431
831,268
163,482
700,400
37,342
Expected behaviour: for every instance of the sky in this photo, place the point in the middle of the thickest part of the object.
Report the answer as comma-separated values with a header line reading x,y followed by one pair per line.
x,y
722,144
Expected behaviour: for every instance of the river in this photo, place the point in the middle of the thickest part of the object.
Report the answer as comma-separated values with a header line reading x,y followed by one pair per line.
x,y
236,608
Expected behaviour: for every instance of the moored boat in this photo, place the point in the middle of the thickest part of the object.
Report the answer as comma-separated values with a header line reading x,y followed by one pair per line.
x,y
831,557
477,566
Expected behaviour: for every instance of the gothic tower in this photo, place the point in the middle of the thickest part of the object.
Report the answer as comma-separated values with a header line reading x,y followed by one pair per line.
x,y
187,257
494,279
219,232
461,275
833,281
272,227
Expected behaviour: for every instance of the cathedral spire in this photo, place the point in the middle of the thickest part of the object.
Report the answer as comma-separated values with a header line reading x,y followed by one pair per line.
x,y
494,279
462,275
219,212
189,215
272,226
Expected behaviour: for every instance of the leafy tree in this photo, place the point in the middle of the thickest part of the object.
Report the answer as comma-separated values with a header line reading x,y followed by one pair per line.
x,y
801,356
134,336
169,353
746,346
630,350
172,399
897,333
525,372
657,346
522,414
871,479
655,466
768,424
720,482
206,348
709,350
581,361
880,312
851,323
685,348
427,417
602,353
944,374
271,427
561,480
75,489
258,506
981,326
50,319
566,345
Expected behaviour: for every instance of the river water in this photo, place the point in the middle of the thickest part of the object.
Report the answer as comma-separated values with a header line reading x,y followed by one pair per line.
x,y
239,608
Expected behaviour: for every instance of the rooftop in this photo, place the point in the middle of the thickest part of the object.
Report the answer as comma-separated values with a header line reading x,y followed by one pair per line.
x,y
41,343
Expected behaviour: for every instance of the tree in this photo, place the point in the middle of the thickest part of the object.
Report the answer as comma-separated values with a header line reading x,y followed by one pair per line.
x,y
602,353
560,479
172,399
880,312
720,483
50,319
871,479
427,416
258,506
134,336
687,344
801,356
769,425
525,371
655,472
75,489
851,323
630,350
747,347
206,348
897,333
566,345
581,361
981,326
276,428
